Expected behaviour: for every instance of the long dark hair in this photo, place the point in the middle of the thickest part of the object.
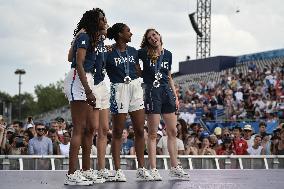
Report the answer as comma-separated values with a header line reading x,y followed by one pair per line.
x,y
90,22
184,130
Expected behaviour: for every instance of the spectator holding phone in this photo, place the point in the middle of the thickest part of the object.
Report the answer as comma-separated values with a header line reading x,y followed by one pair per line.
x,y
2,132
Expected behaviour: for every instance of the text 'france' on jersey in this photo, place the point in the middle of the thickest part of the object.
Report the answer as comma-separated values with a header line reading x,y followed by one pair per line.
x,y
115,65
148,72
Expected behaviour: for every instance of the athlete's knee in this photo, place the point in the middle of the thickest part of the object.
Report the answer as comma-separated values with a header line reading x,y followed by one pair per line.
x,y
152,135
78,130
89,131
172,132
103,132
117,133
139,133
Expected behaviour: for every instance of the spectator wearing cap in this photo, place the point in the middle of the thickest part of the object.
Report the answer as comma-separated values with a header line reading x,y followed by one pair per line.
x,y
8,133
218,134
40,144
13,147
239,144
256,148
58,124
31,128
214,142
247,133
205,148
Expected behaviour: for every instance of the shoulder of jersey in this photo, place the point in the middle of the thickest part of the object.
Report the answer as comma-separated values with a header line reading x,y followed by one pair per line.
x,y
132,48
83,35
167,52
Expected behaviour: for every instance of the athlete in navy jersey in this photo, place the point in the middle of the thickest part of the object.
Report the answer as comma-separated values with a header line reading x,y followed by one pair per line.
x,y
99,67
83,41
126,97
148,72
160,99
115,66
79,90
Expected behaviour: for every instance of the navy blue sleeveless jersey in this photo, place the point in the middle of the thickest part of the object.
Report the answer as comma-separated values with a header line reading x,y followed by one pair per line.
x,y
83,41
148,73
115,66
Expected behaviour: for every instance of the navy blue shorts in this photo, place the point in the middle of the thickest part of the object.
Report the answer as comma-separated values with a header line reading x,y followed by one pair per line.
x,y
159,100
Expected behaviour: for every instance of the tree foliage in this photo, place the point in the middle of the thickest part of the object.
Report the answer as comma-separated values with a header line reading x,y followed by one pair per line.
x,y
47,98
50,97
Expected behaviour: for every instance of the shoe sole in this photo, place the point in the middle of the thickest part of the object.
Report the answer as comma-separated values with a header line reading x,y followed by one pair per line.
x,y
110,179
144,179
158,179
120,180
99,181
179,176
78,184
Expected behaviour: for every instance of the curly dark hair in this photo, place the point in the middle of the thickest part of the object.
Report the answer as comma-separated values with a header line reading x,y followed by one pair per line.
x,y
112,32
90,22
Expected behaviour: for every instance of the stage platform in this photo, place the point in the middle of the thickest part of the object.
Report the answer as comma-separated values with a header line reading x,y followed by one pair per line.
x,y
199,179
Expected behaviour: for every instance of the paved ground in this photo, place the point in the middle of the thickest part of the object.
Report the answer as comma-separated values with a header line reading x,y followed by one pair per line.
x,y
199,179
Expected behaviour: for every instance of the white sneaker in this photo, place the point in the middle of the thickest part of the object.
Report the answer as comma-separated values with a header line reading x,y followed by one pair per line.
x,y
105,173
92,176
119,176
178,172
155,174
142,174
77,179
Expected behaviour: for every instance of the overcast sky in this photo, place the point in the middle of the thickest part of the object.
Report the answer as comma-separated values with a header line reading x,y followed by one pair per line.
x,y
35,34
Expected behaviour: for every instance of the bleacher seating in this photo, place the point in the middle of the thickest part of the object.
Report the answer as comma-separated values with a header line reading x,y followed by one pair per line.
x,y
189,80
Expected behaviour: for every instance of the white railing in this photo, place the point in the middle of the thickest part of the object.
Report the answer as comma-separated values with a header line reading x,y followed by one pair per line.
x,y
60,162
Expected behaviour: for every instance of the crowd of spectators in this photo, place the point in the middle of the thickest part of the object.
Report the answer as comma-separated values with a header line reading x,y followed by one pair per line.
x,y
192,139
257,96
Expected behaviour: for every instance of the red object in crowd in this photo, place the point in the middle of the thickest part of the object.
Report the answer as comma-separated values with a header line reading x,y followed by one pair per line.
x,y
240,146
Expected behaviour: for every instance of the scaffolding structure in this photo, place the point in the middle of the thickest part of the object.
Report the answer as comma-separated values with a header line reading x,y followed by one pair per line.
x,y
203,43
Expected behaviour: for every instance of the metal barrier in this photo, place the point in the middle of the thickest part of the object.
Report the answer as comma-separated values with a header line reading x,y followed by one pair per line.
x,y
129,162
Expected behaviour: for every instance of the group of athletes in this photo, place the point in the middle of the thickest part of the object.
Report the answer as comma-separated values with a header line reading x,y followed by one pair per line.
x,y
90,100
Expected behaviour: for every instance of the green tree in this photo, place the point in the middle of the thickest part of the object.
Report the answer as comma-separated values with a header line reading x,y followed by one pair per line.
x,y
50,97
28,106
5,99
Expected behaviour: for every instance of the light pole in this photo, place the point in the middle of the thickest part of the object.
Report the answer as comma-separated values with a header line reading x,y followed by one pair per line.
x,y
20,72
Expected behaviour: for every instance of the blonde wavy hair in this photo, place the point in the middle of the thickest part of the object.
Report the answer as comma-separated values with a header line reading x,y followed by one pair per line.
x,y
145,44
